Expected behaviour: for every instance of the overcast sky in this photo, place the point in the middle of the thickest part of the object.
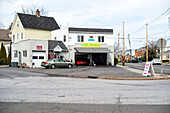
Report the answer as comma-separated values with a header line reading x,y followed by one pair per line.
x,y
102,14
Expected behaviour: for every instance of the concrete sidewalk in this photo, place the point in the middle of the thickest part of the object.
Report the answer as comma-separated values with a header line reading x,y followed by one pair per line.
x,y
102,72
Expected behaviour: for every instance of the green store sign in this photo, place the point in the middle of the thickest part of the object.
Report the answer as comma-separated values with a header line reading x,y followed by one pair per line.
x,y
91,45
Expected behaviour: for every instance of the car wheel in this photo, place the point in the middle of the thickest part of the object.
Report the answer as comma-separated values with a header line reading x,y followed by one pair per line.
x,y
53,66
69,66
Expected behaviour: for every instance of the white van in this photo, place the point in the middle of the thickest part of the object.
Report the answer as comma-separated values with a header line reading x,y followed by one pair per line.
x,y
156,61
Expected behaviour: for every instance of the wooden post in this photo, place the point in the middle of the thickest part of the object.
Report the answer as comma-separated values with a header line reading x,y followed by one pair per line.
x,y
118,47
123,45
162,56
146,42
130,46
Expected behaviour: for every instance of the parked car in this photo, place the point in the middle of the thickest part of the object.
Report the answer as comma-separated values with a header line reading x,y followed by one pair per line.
x,y
53,63
81,62
156,61
133,60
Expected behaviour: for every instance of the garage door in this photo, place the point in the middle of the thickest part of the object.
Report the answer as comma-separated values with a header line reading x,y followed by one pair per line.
x,y
37,58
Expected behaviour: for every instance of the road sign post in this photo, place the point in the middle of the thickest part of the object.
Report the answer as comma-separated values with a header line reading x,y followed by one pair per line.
x,y
161,43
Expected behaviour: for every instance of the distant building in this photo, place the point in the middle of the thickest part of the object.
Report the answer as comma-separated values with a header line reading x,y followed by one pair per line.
x,y
166,54
5,39
4,36
140,52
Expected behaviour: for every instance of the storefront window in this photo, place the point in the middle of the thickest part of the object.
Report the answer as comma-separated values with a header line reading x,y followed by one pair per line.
x,y
100,38
80,38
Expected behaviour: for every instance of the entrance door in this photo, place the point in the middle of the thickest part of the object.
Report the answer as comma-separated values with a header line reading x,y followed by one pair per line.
x,y
99,58
19,57
37,58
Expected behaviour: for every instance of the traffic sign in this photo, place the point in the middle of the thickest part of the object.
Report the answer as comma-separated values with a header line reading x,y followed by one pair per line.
x,y
148,67
161,43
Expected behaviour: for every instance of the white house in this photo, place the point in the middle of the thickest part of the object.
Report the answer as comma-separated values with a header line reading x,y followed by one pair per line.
x,y
87,45
34,51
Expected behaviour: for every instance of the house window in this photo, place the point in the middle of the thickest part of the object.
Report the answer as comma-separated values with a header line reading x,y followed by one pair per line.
x,y
15,53
64,38
21,35
13,38
17,23
24,53
100,38
167,55
80,38
8,49
17,36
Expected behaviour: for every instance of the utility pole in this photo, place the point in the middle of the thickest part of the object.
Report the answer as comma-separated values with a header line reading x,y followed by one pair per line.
x,y
123,45
146,42
130,46
161,55
118,47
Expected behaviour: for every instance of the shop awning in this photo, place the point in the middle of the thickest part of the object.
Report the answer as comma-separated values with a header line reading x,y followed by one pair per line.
x,y
92,50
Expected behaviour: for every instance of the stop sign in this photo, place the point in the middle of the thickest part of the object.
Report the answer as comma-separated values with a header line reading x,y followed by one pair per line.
x,y
163,41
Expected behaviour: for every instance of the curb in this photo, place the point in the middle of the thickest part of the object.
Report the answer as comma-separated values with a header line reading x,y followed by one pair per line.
x,y
156,78
112,78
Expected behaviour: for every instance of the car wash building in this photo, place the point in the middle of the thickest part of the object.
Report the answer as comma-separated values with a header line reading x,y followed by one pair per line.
x,y
34,51
87,46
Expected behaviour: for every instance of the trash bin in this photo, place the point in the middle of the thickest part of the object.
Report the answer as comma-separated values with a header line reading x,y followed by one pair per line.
x,y
140,61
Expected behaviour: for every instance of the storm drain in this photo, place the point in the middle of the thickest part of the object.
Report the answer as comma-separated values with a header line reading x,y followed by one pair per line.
x,y
94,77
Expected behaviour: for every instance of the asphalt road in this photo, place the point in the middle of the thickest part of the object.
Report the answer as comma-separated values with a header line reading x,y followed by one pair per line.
x,y
79,108
101,96
157,68
6,72
100,71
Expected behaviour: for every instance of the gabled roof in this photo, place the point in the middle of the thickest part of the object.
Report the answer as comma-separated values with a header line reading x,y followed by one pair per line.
x,y
52,44
4,35
41,23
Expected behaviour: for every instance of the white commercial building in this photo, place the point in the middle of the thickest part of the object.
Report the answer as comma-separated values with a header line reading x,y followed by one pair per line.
x,y
87,45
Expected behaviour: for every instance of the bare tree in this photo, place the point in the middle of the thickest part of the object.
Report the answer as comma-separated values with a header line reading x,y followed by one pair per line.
x,y
152,51
10,26
31,9
116,49
2,25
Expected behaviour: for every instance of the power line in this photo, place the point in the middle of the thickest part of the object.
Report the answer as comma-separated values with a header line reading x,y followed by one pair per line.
x,y
138,29
163,14
160,33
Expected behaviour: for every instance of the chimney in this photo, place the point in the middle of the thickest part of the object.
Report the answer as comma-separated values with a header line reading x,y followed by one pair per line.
x,y
38,13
